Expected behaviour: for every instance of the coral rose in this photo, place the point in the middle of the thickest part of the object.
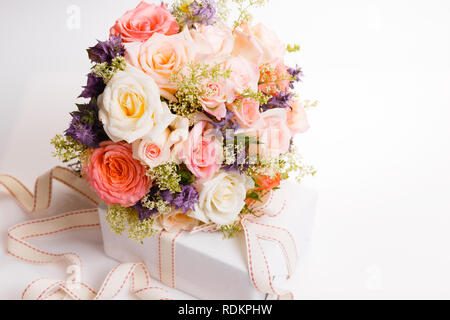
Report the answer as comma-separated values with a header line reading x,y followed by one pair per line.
x,y
141,23
268,182
116,176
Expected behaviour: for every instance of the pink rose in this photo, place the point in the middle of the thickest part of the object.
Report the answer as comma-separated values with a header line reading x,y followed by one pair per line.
x,y
246,112
213,41
160,57
274,78
140,24
116,176
274,134
202,152
178,221
152,152
297,119
156,152
244,75
214,98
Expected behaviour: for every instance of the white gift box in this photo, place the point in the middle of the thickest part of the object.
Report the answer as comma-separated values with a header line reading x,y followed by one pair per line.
x,y
209,267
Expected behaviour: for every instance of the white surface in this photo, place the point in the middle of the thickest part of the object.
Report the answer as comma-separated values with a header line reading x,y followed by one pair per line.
x,y
379,139
206,262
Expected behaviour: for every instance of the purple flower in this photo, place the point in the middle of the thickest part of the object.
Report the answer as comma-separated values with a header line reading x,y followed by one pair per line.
x,y
144,213
296,74
167,196
106,51
94,87
81,132
187,199
184,200
202,12
226,123
86,127
282,100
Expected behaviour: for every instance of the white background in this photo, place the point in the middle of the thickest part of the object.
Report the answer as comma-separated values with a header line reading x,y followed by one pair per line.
x,y
379,138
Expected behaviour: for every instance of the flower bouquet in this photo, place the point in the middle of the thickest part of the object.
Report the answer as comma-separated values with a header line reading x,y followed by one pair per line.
x,y
189,121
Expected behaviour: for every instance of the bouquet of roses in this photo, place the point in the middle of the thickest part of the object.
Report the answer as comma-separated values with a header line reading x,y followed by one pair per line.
x,y
189,119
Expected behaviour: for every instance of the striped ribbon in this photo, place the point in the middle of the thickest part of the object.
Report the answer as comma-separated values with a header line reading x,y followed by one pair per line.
x,y
135,273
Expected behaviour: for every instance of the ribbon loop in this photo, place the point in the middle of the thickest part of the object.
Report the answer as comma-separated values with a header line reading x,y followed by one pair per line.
x,y
18,247
47,289
257,262
41,199
272,204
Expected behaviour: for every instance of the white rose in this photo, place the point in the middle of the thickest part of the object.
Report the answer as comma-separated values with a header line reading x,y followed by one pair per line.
x,y
130,107
222,198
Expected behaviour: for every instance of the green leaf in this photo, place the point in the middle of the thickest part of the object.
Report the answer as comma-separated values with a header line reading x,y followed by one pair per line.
x,y
187,178
254,196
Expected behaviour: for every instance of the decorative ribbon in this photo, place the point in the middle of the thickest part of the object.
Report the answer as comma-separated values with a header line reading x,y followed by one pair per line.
x,y
19,248
166,253
272,205
39,289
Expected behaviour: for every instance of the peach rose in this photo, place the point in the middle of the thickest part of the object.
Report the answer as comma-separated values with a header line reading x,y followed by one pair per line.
x,y
274,77
213,41
202,152
115,175
244,74
177,221
273,48
297,119
274,134
248,47
160,57
144,21
246,112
